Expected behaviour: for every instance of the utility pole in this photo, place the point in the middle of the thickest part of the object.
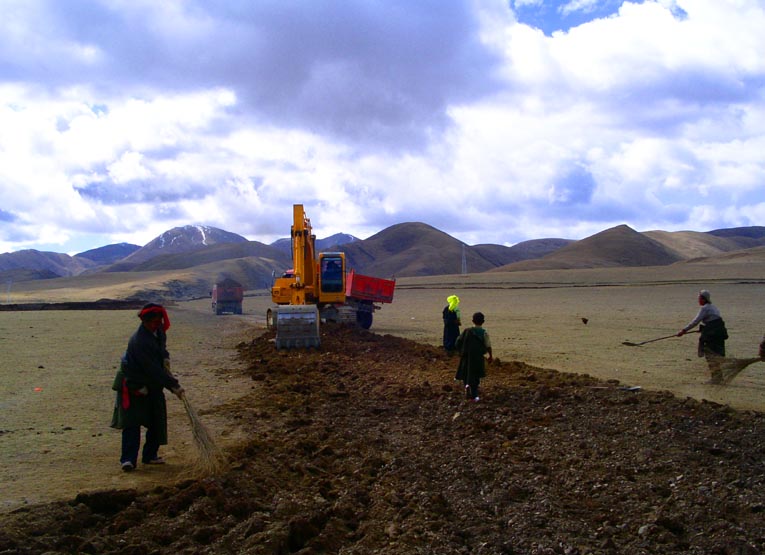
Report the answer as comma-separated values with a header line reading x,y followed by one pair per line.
x,y
464,260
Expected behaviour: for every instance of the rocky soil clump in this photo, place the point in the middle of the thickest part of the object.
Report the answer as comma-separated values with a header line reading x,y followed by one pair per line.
x,y
367,445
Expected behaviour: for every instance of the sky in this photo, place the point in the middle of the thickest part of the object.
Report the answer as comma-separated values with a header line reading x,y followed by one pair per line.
x,y
495,121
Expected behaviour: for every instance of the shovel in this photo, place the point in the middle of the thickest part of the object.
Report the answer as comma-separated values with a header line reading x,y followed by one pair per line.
x,y
631,344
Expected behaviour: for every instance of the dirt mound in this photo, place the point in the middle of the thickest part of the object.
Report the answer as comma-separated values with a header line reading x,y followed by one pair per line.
x,y
367,445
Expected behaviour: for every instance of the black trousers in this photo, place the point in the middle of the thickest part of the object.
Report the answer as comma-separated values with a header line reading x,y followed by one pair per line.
x,y
472,385
131,442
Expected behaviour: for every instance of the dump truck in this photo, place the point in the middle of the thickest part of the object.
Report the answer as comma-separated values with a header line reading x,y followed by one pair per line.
x,y
227,297
364,293
319,287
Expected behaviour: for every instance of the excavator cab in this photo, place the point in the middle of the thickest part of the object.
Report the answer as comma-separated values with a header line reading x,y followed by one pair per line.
x,y
331,277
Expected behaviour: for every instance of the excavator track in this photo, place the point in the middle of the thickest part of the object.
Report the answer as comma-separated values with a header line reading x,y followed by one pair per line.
x,y
340,314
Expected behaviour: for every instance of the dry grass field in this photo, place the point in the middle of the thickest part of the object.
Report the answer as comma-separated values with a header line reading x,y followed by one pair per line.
x,y
56,399
536,317
543,326
57,366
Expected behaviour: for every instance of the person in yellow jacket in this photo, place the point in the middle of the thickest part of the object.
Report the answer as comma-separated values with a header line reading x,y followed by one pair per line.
x,y
452,322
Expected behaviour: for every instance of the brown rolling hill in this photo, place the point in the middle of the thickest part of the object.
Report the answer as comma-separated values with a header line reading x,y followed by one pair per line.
x,y
159,285
755,232
252,272
331,243
413,249
694,244
618,246
500,255
193,273
744,256
623,246
108,254
8,277
47,262
188,261
210,254
409,249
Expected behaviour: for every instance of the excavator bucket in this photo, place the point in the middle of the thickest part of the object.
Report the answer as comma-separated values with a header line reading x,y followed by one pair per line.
x,y
297,327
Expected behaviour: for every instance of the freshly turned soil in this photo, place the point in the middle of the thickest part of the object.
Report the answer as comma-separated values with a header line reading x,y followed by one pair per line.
x,y
367,445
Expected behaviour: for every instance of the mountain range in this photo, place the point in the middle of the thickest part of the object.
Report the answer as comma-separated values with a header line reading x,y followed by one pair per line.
x,y
406,249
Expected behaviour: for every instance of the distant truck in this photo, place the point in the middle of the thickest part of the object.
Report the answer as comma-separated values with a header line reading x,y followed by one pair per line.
x,y
227,297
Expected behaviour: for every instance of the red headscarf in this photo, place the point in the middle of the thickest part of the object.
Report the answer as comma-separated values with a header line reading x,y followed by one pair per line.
x,y
152,308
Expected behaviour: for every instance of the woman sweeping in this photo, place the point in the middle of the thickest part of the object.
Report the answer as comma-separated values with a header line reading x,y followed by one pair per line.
x,y
143,375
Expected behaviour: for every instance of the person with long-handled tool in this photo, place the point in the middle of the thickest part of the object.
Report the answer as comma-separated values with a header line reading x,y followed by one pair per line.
x,y
713,334
140,385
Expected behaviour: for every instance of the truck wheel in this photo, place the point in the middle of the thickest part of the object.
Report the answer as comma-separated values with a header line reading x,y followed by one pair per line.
x,y
364,319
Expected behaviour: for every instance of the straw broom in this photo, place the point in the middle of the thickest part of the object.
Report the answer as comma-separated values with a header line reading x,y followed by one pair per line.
x,y
732,367
211,458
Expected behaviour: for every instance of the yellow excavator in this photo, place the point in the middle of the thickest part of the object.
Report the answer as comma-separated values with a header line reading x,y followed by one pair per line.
x,y
318,287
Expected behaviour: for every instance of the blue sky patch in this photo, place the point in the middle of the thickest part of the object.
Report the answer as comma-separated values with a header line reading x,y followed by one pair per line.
x,y
557,15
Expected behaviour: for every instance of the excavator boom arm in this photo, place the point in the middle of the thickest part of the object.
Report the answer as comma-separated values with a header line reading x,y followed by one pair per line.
x,y
303,249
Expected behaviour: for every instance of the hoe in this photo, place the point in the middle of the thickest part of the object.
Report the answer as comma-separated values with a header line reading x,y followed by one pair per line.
x,y
631,344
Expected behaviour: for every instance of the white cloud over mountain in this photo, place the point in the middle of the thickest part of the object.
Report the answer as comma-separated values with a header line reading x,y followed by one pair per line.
x,y
494,123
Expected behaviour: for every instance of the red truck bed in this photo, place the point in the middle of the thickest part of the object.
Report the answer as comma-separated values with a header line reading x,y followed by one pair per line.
x,y
368,288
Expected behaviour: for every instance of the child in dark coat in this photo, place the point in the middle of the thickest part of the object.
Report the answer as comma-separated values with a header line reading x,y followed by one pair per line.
x,y
472,344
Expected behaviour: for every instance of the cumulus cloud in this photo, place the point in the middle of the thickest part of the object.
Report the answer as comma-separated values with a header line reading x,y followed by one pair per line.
x,y
379,73
494,122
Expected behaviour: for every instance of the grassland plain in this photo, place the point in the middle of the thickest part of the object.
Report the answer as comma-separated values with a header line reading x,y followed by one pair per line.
x,y
536,318
56,401
57,366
